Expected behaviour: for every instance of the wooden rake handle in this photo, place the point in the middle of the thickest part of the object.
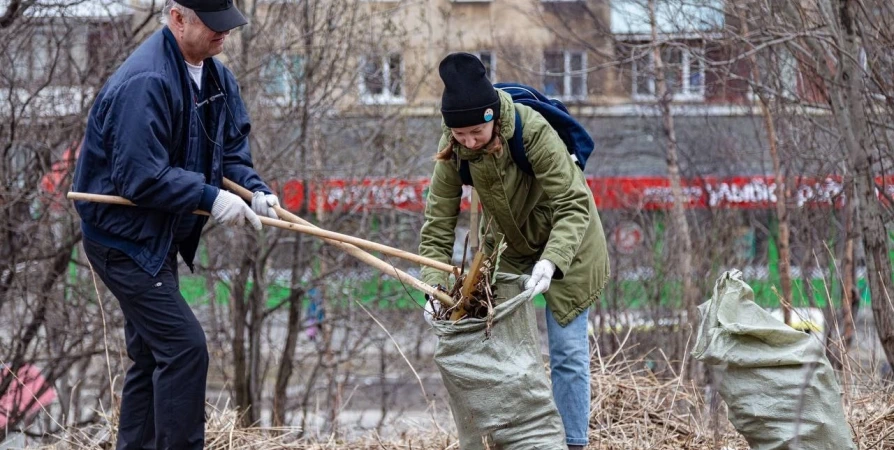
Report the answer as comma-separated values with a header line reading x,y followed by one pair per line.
x,y
340,240
358,253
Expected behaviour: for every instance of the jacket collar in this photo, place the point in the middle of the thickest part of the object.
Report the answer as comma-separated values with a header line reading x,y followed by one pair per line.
x,y
180,63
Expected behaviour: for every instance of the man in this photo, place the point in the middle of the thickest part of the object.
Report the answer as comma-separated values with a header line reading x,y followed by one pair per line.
x,y
164,131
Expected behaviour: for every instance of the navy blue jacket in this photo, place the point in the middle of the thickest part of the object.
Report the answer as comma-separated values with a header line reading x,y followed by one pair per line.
x,y
142,136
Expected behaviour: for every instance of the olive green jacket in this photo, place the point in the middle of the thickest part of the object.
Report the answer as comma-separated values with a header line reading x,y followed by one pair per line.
x,y
551,215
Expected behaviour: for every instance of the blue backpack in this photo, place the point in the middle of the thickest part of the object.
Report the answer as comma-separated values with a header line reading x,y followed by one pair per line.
x,y
578,142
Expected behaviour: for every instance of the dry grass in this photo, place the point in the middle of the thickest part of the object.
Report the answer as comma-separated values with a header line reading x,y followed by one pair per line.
x,y
871,417
222,432
632,409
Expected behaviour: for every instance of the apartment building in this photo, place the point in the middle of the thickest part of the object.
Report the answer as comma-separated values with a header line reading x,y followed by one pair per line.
x,y
366,73
594,55
597,56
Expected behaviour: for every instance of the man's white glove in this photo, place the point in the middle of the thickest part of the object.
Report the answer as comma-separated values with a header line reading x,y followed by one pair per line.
x,y
541,276
263,204
432,307
229,209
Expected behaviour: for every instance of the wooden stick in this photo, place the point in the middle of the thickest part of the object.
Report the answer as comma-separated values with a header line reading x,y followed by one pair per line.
x,y
468,287
306,229
336,239
354,251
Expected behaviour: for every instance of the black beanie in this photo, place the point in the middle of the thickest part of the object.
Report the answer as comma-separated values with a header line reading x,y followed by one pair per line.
x,y
469,98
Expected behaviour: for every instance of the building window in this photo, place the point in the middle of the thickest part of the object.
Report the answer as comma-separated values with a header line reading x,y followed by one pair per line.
x,y
489,59
42,56
282,77
777,74
105,47
684,72
878,69
381,79
564,74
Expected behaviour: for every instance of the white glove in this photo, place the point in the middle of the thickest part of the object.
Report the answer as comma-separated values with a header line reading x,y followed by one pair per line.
x,y
263,204
229,209
432,307
541,276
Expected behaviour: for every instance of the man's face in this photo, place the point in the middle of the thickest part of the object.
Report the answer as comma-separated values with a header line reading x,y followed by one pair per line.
x,y
197,41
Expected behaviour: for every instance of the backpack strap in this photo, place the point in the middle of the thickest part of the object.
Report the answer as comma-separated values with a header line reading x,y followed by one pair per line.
x,y
516,150
464,173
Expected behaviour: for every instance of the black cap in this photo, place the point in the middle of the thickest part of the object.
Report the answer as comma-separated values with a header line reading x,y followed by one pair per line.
x,y
218,15
469,98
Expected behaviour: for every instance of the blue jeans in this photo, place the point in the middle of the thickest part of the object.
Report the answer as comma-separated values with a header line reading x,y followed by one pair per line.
x,y
569,362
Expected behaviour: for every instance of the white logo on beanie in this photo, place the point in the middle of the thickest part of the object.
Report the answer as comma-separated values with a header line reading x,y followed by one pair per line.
x,y
488,115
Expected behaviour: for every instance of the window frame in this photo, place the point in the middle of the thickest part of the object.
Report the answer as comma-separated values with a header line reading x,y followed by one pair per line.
x,y
278,73
386,97
686,92
490,65
791,84
567,74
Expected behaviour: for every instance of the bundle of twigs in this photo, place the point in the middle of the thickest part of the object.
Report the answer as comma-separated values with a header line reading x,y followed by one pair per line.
x,y
473,290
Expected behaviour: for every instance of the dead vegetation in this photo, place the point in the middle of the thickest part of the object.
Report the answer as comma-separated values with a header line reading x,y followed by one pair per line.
x,y
473,290
632,409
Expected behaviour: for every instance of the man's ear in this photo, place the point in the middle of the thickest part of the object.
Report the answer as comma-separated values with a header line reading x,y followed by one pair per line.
x,y
177,19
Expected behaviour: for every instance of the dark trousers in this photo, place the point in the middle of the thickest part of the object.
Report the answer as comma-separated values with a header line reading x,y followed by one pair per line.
x,y
163,401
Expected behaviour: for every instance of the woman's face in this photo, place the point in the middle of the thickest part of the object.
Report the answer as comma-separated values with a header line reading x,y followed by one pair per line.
x,y
474,137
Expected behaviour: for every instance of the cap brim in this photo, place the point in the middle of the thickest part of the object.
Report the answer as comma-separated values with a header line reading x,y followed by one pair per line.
x,y
221,21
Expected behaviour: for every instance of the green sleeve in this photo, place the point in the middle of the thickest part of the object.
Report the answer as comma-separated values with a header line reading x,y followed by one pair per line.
x,y
563,182
441,215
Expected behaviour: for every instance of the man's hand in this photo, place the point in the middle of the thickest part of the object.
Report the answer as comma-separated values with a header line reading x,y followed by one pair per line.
x,y
541,276
229,209
263,204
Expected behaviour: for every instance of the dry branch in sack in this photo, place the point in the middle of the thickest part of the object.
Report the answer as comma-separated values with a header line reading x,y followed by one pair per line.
x,y
473,291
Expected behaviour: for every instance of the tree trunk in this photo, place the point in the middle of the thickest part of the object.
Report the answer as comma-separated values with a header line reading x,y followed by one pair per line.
x,y
846,99
851,117
845,95
296,291
846,329
256,299
241,378
284,374
678,213
782,242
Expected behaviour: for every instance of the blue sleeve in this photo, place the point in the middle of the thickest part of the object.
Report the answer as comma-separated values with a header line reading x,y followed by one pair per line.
x,y
138,129
209,194
237,161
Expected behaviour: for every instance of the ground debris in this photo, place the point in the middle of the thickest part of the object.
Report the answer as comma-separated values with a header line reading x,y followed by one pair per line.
x,y
632,409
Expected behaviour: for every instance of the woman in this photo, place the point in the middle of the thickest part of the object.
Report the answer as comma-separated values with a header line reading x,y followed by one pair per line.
x,y
548,220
